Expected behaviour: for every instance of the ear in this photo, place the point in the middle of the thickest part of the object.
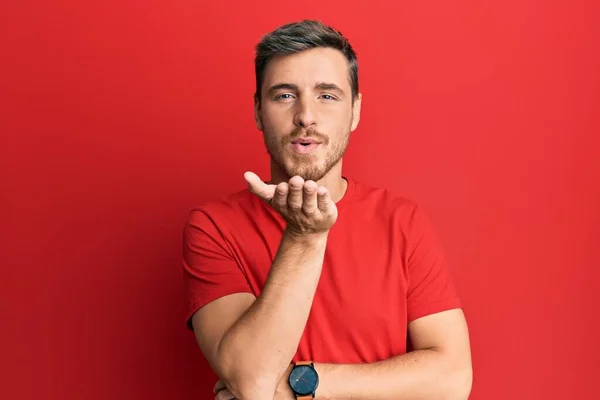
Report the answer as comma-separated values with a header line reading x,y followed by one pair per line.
x,y
257,117
356,112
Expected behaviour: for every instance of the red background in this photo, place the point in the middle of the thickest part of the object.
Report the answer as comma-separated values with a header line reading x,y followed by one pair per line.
x,y
118,116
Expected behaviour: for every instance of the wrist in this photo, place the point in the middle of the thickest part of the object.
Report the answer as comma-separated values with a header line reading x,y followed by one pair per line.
x,y
323,392
309,239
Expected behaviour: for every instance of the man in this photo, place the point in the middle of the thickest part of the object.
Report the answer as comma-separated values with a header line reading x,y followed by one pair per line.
x,y
312,284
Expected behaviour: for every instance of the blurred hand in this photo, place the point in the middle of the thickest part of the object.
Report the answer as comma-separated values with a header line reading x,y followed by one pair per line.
x,y
282,392
223,394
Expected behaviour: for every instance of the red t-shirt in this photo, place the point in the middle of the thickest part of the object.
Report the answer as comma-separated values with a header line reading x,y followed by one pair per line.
x,y
383,268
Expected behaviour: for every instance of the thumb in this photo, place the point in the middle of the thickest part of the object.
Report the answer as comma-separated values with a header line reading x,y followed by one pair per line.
x,y
258,187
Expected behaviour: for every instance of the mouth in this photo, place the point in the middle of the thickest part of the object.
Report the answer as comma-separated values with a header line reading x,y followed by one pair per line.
x,y
305,142
305,146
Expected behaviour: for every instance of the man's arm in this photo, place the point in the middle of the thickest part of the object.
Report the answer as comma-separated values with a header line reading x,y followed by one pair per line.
x,y
249,342
439,367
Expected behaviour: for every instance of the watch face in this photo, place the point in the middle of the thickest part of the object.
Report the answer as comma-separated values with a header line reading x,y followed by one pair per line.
x,y
304,380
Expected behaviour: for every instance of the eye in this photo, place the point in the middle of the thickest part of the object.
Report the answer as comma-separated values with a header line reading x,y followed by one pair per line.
x,y
284,96
328,97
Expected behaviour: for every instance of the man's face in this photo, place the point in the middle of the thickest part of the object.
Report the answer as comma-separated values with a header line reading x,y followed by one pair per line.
x,y
306,111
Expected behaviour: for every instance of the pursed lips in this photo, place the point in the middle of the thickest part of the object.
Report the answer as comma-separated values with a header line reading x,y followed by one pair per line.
x,y
305,145
305,141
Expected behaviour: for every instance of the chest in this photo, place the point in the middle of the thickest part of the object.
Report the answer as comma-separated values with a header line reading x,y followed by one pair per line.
x,y
359,310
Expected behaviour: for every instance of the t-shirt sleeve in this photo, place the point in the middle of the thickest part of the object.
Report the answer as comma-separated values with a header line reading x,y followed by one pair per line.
x,y
430,286
210,269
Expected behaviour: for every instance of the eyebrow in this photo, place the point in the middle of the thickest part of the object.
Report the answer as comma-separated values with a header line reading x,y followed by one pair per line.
x,y
279,86
321,85
329,86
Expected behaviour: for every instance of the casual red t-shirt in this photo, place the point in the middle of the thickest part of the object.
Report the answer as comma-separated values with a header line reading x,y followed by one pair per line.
x,y
383,268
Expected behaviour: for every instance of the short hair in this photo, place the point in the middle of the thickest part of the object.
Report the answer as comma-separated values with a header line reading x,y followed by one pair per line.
x,y
299,36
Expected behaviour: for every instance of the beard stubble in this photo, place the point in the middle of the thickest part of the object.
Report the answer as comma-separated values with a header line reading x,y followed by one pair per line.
x,y
309,166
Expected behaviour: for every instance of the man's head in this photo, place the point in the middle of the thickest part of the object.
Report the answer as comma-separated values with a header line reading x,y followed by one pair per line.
x,y
306,91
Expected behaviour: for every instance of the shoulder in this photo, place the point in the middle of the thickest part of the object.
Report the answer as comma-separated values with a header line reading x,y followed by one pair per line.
x,y
224,211
225,204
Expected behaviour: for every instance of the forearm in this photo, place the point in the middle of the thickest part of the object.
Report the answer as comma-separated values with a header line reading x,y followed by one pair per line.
x,y
418,375
256,351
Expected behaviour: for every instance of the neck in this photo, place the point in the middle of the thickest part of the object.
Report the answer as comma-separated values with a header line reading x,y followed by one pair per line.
x,y
333,180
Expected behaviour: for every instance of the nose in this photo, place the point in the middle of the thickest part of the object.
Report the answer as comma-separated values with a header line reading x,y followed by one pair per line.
x,y
304,116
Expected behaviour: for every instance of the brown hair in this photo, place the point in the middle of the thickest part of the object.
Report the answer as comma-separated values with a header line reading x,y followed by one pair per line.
x,y
299,36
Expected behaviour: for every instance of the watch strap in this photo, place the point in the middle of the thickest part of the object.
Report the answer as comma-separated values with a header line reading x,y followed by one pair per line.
x,y
304,363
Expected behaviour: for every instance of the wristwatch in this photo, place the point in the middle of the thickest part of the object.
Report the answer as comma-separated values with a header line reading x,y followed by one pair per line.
x,y
304,380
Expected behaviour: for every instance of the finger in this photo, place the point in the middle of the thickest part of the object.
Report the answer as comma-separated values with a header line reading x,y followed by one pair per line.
x,y
323,199
218,386
258,187
294,200
280,200
309,200
224,395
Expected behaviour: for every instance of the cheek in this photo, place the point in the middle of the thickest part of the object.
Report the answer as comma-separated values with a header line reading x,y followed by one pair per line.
x,y
339,116
277,113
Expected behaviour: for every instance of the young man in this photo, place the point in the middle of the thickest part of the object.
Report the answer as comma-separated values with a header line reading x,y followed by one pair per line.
x,y
312,284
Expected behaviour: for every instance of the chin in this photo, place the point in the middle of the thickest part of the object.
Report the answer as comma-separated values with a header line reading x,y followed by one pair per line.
x,y
308,173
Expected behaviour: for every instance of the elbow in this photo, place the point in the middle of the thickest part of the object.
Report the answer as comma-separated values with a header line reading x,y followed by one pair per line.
x,y
244,388
462,382
245,380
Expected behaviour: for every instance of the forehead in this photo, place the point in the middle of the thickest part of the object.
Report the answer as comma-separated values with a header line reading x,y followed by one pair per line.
x,y
307,68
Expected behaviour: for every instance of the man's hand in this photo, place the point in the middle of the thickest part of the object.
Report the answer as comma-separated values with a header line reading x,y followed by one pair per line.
x,y
283,391
221,392
306,206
